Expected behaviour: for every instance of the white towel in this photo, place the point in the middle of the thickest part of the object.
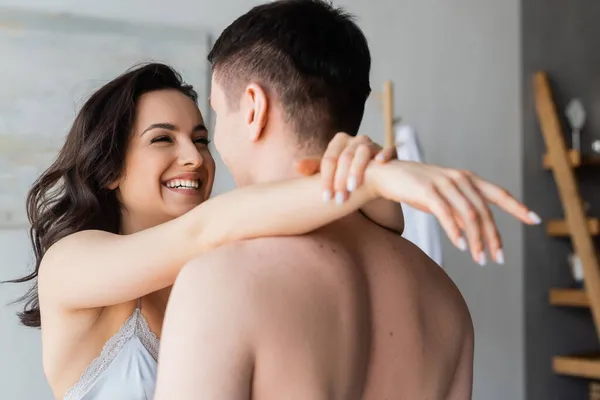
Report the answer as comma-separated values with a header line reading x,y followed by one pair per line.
x,y
419,227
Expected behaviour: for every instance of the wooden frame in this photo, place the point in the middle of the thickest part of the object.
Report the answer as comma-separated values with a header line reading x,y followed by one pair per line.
x,y
577,225
387,99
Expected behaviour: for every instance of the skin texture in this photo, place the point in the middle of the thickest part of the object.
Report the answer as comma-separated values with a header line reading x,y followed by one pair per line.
x,y
323,316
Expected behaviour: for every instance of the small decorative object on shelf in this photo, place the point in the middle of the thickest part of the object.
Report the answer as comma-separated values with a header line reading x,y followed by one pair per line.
x,y
576,116
576,269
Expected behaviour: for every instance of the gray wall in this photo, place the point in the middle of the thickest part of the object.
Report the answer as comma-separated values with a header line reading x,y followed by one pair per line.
x,y
562,41
456,69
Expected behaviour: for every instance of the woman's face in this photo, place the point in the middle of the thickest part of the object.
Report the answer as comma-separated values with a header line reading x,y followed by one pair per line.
x,y
168,167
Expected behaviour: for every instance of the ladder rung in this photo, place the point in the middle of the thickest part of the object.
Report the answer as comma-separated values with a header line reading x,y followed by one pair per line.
x,y
573,155
575,159
578,366
560,227
569,298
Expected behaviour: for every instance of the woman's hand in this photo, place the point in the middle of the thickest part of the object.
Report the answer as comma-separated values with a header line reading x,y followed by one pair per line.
x,y
343,167
344,163
459,199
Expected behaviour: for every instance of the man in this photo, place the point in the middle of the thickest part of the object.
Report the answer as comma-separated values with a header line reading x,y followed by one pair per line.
x,y
350,311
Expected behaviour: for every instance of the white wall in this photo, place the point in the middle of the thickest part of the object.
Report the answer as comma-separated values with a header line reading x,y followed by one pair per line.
x,y
456,69
21,375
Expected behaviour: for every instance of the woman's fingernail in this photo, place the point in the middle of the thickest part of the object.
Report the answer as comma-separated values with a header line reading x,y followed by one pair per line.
x,y
535,218
481,260
339,198
462,244
380,157
351,184
500,256
326,195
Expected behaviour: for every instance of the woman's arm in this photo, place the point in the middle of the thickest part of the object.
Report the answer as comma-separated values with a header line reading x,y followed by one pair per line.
x,y
92,269
385,213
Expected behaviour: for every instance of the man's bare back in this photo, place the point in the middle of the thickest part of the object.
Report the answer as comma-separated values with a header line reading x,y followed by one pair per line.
x,y
351,311
371,314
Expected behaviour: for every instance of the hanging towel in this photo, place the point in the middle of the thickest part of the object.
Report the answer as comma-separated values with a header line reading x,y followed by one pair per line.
x,y
419,227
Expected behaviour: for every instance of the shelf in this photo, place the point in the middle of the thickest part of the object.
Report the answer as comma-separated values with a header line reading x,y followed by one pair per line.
x,y
584,366
580,228
569,298
559,227
575,159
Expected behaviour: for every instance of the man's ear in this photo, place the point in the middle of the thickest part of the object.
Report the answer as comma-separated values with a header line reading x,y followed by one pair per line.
x,y
257,108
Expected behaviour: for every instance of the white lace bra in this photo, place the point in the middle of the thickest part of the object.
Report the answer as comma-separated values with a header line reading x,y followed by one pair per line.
x,y
126,367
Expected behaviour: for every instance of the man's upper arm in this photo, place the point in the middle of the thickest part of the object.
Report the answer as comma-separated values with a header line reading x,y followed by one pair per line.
x,y
206,347
462,384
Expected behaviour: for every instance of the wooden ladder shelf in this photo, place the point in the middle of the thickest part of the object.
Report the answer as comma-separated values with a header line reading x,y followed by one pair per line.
x,y
576,225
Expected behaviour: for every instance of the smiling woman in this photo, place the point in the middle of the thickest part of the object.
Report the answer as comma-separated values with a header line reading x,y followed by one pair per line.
x,y
186,183
52,61
117,215
169,144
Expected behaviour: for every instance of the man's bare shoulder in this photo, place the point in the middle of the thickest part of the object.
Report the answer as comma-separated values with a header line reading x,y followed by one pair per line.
x,y
425,285
223,288
264,269
448,300
251,255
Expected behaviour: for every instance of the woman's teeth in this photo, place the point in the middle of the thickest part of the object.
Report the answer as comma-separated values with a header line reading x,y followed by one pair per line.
x,y
183,184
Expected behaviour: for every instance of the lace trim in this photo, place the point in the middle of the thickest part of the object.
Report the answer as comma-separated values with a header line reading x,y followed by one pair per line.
x,y
146,336
136,324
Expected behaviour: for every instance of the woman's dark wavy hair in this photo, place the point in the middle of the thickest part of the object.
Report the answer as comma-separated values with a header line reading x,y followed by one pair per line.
x,y
72,195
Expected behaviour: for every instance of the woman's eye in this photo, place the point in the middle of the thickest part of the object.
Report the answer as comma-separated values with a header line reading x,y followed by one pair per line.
x,y
202,140
161,139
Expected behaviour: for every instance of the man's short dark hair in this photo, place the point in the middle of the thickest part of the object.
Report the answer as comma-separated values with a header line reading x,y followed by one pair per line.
x,y
309,55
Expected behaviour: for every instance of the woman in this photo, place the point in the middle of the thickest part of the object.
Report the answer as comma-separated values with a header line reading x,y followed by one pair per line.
x,y
125,206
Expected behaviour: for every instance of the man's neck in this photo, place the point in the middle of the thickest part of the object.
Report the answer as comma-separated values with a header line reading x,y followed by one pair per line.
x,y
278,162
274,171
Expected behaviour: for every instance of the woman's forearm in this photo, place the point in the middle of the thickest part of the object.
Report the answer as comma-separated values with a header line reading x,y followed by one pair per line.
x,y
149,260
290,207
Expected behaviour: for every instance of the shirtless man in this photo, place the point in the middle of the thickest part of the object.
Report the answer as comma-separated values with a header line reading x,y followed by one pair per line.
x,y
351,311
